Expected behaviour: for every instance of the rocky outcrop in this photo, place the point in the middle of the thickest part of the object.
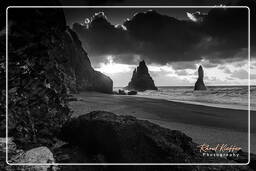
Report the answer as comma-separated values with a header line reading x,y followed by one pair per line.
x,y
80,75
126,139
141,80
46,30
46,61
36,79
106,137
199,85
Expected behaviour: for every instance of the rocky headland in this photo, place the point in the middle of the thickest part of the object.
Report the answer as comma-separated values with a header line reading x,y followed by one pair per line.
x,y
46,62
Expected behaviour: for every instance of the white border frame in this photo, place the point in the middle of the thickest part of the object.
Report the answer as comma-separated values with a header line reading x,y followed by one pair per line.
x,y
79,164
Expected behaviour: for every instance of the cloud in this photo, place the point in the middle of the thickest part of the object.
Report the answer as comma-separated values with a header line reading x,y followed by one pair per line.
x,y
227,71
241,74
183,65
101,38
161,39
192,17
181,72
196,16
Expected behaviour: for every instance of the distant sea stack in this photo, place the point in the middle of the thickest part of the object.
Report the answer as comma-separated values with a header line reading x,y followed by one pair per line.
x,y
141,80
199,85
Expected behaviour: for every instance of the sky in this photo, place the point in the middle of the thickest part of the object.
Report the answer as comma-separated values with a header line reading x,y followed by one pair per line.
x,y
173,42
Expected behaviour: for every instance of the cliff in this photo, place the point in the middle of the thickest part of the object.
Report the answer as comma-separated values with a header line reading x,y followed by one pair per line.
x,y
45,30
45,62
141,80
199,85
80,75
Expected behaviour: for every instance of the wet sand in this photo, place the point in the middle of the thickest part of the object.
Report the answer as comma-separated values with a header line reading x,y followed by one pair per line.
x,y
203,124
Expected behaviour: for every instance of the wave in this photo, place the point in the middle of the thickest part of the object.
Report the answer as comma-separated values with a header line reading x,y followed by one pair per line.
x,y
235,97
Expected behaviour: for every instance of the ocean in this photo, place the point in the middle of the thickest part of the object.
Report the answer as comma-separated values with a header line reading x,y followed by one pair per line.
x,y
234,97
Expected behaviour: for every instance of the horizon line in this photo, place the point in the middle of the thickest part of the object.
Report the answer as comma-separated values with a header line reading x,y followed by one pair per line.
x,y
228,85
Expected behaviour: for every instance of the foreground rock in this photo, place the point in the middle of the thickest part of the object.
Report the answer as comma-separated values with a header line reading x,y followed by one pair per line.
x,y
112,138
41,155
35,155
126,139
199,85
15,155
141,80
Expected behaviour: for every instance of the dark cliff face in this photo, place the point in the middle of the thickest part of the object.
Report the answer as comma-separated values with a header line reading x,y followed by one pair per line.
x,y
47,27
45,62
199,85
80,75
141,80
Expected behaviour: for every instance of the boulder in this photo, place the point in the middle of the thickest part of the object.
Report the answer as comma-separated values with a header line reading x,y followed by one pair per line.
x,y
127,139
199,85
121,92
141,80
15,155
132,92
35,155
104,137
40,155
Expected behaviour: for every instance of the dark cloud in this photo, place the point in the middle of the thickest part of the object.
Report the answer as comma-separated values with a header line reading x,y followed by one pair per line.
x,y
210,64
227,31
100,37
183,65
162,39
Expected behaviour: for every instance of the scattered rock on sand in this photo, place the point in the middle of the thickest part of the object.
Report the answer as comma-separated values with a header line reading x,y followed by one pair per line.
x,y
132,92
121,92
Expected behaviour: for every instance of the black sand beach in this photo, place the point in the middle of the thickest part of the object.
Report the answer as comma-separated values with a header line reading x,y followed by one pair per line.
x,y
204,124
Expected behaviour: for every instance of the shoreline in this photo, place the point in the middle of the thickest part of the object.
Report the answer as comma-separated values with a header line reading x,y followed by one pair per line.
x,y
191,99
203,124
217,105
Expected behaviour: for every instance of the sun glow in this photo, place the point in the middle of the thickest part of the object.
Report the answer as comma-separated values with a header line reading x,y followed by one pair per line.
x,y
110,67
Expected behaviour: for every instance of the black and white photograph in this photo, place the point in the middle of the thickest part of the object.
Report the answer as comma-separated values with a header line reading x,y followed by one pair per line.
x,y
118,83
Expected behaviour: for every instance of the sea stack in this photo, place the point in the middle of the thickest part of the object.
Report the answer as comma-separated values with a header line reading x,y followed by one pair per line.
x,y
199,85
141,80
